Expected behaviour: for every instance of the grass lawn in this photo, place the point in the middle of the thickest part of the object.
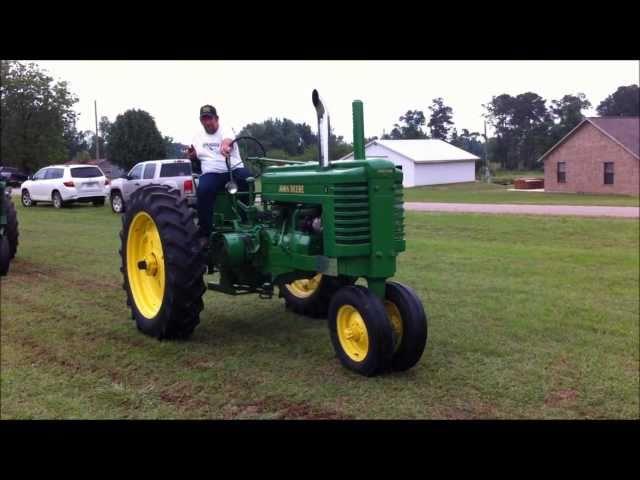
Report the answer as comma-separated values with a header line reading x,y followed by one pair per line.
x,y
478,192
530,317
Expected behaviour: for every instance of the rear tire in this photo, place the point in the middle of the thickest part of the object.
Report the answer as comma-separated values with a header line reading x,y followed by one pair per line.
x,y
360,332
11,229
5,259
180,260
312,297
56,198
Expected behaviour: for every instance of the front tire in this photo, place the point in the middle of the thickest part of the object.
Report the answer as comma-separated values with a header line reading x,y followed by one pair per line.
x,y
360,332
162,263
409,322
26,199
311,297
117,202
11,229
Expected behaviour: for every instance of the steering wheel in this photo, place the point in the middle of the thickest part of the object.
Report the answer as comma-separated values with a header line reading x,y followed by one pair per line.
x,y
255,168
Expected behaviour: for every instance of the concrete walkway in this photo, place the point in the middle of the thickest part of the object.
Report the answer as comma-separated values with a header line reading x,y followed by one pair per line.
x,y
577,210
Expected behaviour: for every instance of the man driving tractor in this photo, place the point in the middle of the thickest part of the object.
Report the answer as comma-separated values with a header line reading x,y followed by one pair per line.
x,y
212,148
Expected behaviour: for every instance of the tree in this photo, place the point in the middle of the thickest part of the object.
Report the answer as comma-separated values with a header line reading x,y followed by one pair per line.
x,y
522,125
410,127
38,121
174,149
624,102
468,141
134,137
567,113
439,124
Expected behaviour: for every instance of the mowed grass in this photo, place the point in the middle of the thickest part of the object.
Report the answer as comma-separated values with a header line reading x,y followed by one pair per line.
x,y
530,317
479,192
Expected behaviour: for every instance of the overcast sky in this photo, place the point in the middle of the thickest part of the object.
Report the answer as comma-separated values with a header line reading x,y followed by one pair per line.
x,y
252,91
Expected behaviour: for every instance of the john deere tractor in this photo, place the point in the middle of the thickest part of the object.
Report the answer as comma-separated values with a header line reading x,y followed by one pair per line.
x,y
8,229
315,230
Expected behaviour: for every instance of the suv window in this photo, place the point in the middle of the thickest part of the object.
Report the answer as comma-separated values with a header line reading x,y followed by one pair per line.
x,y
53,173
40,174
178,169
136,172
86,172
149,171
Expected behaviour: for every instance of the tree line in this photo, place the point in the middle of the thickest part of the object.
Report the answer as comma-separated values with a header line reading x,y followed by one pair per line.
x,y
38,127
525,126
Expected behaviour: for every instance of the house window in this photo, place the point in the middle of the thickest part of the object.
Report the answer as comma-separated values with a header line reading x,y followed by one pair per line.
x,y
562,172
608,173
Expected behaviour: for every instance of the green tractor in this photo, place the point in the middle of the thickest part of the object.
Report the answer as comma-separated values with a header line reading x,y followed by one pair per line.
x,y
8,229
316,229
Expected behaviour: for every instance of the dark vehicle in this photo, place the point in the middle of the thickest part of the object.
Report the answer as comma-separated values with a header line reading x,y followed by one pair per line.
x,y
12,176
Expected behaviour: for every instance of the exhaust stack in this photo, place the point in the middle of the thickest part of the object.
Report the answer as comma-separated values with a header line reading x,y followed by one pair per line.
x,y
323,129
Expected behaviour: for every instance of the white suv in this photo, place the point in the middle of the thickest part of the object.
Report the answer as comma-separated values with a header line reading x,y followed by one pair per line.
x,y
64,184
175,173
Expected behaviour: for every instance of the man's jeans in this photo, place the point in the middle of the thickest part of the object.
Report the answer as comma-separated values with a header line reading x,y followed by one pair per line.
x,y
209,185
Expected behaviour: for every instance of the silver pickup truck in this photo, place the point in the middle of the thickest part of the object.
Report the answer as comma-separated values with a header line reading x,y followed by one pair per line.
x,y
176,173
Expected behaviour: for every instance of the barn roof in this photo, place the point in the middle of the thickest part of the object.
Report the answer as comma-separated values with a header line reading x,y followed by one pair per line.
x,y
423,150
625,131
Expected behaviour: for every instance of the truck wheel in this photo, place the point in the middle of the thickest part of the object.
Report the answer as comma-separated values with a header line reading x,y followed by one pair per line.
x,y
117,203
162,263
409,322
11,229
5,259
360,332
312,296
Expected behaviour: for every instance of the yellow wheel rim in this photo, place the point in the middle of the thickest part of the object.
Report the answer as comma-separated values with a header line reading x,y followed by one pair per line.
x,y
145,265
396,321
352,333
305,287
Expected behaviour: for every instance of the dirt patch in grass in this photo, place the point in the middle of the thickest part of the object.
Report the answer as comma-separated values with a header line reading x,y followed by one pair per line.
x,y
282,409
561,398
25,271
38,353
184,395
472,409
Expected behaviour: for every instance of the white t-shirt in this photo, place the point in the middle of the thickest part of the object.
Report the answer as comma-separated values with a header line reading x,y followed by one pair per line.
x,y
208,150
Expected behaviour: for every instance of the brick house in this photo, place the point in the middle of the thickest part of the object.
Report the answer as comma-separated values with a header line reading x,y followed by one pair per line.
x,y
600,155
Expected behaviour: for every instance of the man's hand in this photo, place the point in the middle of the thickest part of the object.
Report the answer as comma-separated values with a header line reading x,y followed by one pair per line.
x,y
225,148
191,153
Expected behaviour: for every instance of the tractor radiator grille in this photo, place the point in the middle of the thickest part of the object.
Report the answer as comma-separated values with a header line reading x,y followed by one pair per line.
x,y
351,208
398,212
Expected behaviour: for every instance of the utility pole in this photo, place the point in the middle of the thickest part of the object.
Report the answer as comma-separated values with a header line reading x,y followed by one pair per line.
x,y
486,159
95,106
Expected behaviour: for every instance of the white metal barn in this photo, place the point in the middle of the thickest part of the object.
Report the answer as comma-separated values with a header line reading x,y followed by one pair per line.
x,y
425,162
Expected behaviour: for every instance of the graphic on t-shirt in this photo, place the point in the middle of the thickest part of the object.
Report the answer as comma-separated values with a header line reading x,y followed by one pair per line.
x,y
211,146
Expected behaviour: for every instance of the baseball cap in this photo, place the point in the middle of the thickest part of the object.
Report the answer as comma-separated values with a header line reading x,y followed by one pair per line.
x,y
208,110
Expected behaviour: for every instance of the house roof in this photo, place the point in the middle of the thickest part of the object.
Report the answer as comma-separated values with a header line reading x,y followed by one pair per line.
x,y
625,131
423,150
